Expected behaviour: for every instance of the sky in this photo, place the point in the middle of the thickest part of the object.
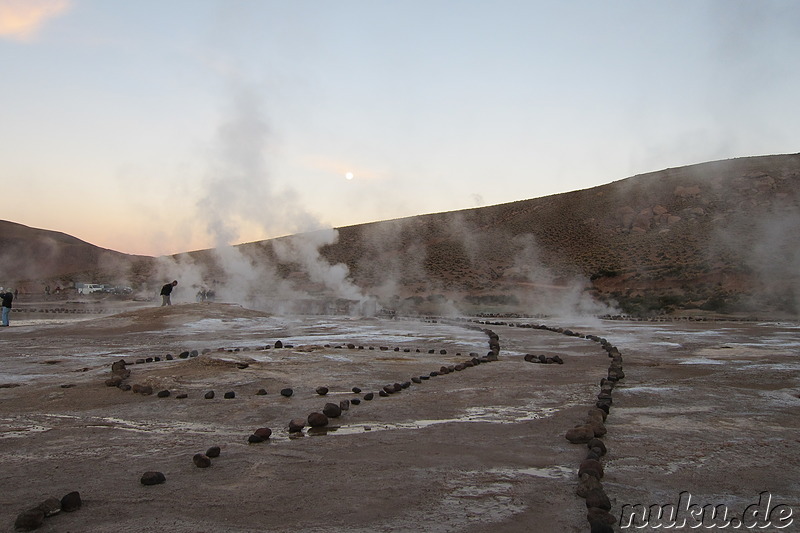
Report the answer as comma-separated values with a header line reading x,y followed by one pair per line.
x,y
163,126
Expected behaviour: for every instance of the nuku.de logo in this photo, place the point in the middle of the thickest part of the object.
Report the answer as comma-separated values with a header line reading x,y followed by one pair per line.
x,y
688,515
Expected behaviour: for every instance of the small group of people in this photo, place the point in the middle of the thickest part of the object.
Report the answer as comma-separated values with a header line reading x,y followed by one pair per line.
x,y
205,295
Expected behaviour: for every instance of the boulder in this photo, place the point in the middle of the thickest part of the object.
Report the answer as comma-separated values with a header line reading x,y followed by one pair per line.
x,y
597,498
591,467
29,520
213,452
579,434
71,502
322,391
201,460
296,425
264,433
287,392
318,420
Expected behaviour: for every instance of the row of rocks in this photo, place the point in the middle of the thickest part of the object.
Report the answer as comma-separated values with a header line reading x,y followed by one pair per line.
x,y
590,471
332,410
200,460
34,517
544,359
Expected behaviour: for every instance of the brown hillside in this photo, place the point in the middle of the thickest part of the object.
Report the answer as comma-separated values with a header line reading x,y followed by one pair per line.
x,y
720,236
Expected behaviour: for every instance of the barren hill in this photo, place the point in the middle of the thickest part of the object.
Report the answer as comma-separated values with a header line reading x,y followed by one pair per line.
x,y
721,237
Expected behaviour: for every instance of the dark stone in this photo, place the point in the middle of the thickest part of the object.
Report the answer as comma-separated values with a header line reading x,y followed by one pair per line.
x,y
600,516
50,506
261,392
163,393
264,433
242,366
383,393
587,482
181,396
169,357
116,381
344,405
368,396
423,378
183,355
125,387
597,443
591,467
331,410
71,502
579,435
278,344
416,380
254,439
287,392
228,395
318,420
201,460
597,498
389,389
296,425
355,401
29,520
356,390
213,452
404,385
209,395
322,391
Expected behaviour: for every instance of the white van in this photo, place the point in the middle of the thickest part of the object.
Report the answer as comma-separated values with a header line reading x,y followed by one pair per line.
x,y
88,288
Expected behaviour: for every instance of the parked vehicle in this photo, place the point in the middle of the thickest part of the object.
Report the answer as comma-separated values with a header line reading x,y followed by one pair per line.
x,y
88,288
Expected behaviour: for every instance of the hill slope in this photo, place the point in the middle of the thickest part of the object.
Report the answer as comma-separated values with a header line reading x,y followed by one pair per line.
x,y
721,236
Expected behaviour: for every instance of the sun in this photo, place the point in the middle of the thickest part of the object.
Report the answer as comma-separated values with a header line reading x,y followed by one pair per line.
x,y
348,176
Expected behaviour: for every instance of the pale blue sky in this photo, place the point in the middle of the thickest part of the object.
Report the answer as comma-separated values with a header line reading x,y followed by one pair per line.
x,y
165,126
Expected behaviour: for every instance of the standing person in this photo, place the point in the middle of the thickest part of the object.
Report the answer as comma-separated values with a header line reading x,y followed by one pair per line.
x,y
7,297
166,290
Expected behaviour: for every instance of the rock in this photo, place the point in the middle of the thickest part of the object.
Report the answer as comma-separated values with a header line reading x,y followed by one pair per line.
x,y
29,520
229,395
579,435
296,425
115,381
213,452
181,396
264,433
261,392
152,478
383,393
254,439
597,498
163,393
416,380
591,467
287,392
587,482
201,460
598,427
318,420
600,516
355,401
389,389
50,506
71,502
209,395
322,391
278,344
331,410
344,405
356,390
242,366
597,443
368,396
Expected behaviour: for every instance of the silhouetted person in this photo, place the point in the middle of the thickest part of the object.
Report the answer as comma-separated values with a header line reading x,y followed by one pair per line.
x,y
7,297
166,290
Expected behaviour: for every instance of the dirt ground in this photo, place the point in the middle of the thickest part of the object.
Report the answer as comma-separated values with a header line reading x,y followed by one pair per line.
x,y
709,408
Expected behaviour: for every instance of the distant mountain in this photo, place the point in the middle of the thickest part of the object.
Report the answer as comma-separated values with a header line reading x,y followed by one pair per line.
x,y
35,257
719,237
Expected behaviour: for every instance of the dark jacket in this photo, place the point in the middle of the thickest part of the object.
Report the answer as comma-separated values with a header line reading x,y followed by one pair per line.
x,y
7,297
166,290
